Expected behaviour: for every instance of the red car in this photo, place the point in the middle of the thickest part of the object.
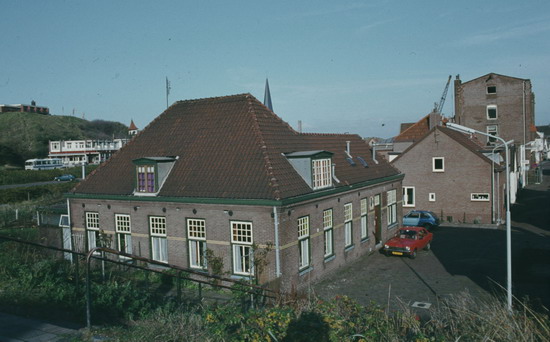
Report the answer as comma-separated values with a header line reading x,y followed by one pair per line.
x,y
408,241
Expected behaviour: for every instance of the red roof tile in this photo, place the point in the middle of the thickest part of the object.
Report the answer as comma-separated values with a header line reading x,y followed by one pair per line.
x,y
229,147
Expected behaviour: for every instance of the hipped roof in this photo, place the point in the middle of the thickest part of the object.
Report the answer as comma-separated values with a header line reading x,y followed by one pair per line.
x,y
229,147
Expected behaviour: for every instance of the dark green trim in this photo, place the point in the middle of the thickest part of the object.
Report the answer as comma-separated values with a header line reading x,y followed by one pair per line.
x,y
238,201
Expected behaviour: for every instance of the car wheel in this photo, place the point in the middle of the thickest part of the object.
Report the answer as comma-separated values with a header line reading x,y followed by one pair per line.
x,y
428,246
413,254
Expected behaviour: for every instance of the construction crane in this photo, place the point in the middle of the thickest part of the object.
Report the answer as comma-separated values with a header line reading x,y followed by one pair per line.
x,y
439,107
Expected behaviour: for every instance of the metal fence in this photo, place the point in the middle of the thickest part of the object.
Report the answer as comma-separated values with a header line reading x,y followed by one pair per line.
x,y
206,288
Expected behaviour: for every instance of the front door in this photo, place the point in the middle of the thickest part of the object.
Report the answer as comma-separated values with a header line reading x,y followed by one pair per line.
x,y
377,220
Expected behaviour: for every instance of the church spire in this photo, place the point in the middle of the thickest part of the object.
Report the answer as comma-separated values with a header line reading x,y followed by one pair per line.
x,y
267,96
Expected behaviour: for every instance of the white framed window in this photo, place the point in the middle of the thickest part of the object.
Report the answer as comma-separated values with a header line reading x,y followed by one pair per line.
x,y
364,219
241,239
196,235
146,178
321,173
492,130
438,164
92,229
392,207
348,224
303,241
123,230
159,243
408,196
431,197
491,89
328,232
479,197
492,112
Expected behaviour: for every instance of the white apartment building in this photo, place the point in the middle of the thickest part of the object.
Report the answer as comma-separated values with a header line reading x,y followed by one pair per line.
x,y
77,152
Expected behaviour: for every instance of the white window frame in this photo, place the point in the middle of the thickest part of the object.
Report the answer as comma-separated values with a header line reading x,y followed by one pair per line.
x,y
364,219
392,207
480,197
490,107
409,200
431,197
489,130
328,232
196,236
303,242
123,229
442,169
92,228
321,173
242,254
348,225
159,241
146,170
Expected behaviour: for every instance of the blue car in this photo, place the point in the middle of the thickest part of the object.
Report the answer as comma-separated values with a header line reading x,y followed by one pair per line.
x,y
64,178
421,218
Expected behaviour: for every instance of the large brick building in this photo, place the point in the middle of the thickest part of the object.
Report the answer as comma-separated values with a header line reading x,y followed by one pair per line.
x,y
497,104
227,174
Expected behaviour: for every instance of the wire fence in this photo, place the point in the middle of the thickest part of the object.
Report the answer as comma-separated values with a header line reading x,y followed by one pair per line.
x,y
102,267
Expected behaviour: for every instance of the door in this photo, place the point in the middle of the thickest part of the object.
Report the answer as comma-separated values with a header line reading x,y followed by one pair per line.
x,y
377,220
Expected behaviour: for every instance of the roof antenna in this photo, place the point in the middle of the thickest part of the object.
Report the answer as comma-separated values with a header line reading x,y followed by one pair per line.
x,y
267,96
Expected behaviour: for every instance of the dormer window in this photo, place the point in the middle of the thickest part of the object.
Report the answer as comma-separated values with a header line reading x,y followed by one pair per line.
x,y
315,167
146,178
322,173
151,172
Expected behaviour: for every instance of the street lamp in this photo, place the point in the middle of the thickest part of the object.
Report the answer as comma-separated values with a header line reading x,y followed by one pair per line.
x,y
468,130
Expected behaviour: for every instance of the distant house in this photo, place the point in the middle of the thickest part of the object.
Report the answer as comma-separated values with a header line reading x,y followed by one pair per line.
x,y
32,108
412,132
87,151
453,175
227,174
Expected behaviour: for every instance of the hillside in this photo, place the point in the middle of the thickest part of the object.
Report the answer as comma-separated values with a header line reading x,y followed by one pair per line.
x,y
26,135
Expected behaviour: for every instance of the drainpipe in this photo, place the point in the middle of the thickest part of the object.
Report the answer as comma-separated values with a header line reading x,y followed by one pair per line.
x,y
374,153
277,251
523,108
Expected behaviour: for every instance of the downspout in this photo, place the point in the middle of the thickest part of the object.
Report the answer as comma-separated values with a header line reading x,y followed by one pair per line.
x,y
523,108
374,153
277,251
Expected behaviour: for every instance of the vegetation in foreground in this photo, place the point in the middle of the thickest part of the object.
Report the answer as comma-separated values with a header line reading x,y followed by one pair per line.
x,y
125,310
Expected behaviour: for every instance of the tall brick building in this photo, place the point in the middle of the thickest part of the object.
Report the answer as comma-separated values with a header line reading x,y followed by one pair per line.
x,y
227,174
497,104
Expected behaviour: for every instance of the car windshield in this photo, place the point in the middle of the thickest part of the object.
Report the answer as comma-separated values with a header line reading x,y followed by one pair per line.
x,y
407,234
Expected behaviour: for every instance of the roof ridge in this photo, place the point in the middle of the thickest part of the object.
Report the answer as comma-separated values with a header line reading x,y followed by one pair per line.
x,y
263,147
413,126
224,97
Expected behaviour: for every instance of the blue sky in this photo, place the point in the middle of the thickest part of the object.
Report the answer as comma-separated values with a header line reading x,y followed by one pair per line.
x,y
338,66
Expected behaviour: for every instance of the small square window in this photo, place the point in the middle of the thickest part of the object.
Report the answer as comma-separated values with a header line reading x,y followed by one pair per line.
x,y
491,89
438,164
431,197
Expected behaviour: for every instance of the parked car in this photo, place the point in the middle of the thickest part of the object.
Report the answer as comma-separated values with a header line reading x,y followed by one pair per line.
x,y
408,241
64,178
421,218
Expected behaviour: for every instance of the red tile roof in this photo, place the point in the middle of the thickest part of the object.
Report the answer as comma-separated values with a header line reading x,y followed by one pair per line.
x,y
229,147
416,131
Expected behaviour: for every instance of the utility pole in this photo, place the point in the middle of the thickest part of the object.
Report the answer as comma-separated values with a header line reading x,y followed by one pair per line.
x,y
167,90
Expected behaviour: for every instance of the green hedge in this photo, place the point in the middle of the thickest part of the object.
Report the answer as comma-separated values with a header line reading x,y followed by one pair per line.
x,y
34,193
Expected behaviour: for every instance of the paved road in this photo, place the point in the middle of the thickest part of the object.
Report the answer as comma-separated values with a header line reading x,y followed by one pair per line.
x,y
18,329
461,259
11,186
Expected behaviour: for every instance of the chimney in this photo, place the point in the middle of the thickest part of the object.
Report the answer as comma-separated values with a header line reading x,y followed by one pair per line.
x,y
348,149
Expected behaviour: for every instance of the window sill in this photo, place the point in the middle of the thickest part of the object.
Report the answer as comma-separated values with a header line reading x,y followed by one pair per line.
x,y
349,248
365,240
305,270
393,225
330,258
241,277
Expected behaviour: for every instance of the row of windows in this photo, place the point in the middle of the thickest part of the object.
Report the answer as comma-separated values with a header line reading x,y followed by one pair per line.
x,y
409,196
328,224
241,238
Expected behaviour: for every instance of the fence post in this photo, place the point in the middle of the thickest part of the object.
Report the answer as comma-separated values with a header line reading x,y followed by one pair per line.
x,y
178,286
200,292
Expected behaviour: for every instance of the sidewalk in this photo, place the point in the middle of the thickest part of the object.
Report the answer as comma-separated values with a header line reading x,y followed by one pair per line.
x,y
19,329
